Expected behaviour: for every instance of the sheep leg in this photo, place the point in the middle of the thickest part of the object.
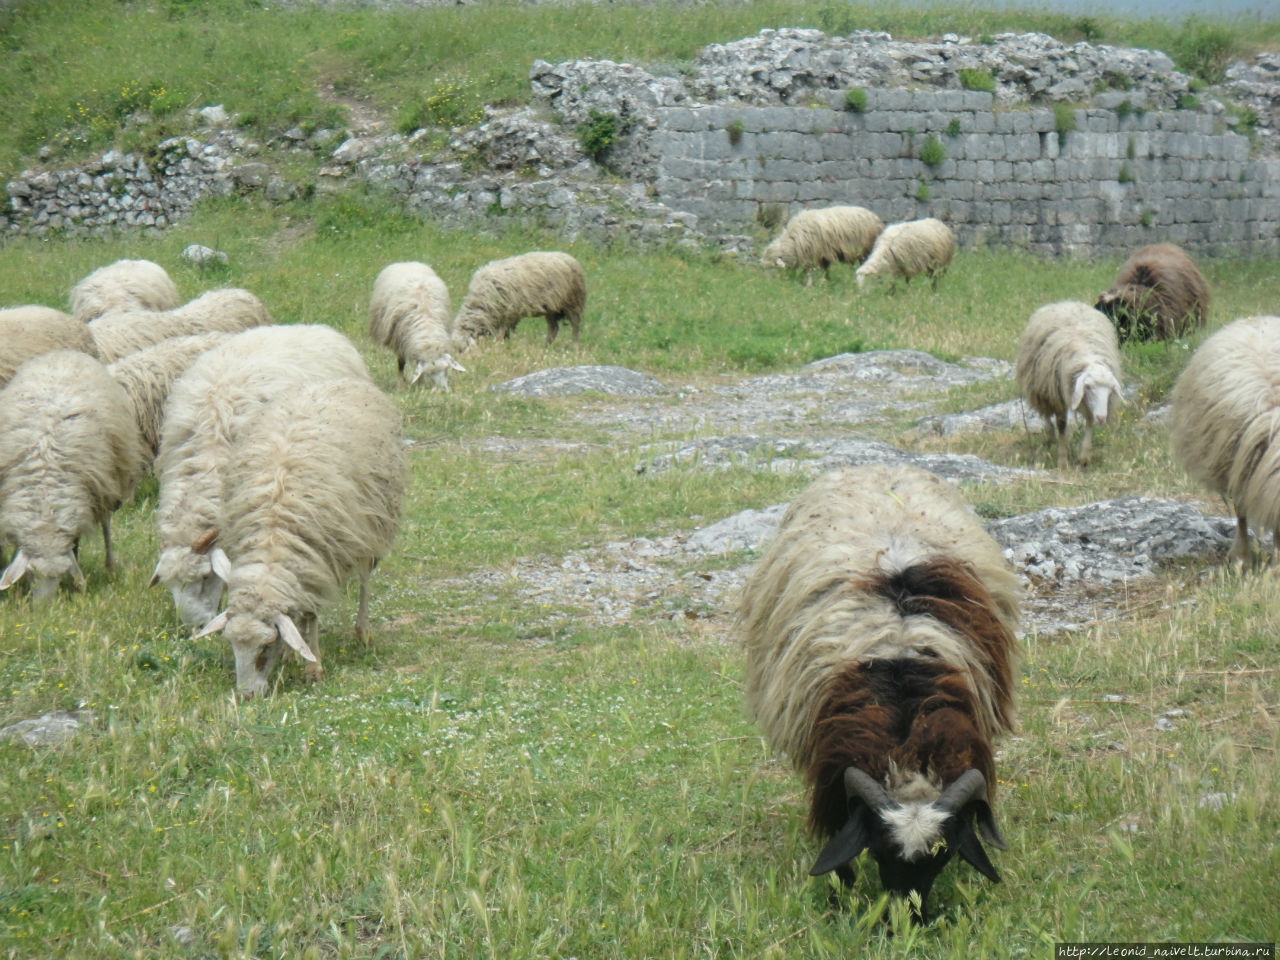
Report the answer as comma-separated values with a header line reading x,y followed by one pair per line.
x,y
362,613
400,364
553,327
312,672
1240,549
575,321
1061,422
1086,442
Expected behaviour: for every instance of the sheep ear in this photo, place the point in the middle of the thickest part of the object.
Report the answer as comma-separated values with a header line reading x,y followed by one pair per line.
x,y
970,850
289,634
221,564
848,842
77,575
418,371
13,573
213,626
1077,393
454,364
155,575
986,823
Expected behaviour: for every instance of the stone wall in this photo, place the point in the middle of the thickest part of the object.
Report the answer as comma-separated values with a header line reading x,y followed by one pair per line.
x,y
1120,179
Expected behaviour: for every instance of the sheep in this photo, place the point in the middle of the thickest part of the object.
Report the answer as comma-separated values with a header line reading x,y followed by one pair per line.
x,y
878,629
910,248
206,412
123,285
1159,294
1068,359
31,330
148,374
230,310
1225,423
542,283
69,456
410,313
819,238
314,495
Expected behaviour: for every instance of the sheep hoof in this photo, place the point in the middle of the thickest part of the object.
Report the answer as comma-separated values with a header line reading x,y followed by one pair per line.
x,y
313,673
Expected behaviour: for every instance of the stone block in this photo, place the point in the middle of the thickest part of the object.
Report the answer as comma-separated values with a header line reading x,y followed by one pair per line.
x,y
983,121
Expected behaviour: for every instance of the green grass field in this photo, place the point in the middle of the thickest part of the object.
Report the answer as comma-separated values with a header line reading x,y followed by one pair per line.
x,y
495,775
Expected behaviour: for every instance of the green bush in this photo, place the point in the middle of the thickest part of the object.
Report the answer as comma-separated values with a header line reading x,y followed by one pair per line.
x,y
976,79
1203,48
1064,118
449,105
856,100
599,134
933,152
735,129
922,192
953,128
1126,173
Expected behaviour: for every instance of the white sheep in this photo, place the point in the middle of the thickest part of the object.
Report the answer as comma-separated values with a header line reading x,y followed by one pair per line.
x,y
908,249
69,456
123,285
1225,423
540,284
206,412
1069,360
879,635
409,312
313,496
31,330
148,374
819,238
229,310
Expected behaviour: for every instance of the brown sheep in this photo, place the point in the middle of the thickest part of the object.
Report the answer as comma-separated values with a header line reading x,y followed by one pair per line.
x,y
1159,295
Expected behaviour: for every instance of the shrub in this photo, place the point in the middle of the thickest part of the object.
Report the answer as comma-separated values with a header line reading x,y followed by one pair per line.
x,y
769,215
1148,217
1188,101
448,105
1126,173
856,100
734,129
599,133
977,79
922,192
953,128
1245,120
933,152
1064,118
1203,48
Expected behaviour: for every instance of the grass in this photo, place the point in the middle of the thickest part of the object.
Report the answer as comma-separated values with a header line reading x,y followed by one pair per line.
x,y
497,773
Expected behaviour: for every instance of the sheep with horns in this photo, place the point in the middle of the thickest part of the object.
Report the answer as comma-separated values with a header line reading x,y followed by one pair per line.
x,y
878,628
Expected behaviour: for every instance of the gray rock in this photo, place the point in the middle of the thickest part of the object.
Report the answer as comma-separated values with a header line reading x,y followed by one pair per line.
x,y
742,531
565,381
48,730
198,254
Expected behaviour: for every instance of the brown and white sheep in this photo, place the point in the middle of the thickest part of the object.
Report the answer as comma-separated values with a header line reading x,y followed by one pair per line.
x,y
1068,360
1158,295
819,238
909,249
544,283
1225,423
878,628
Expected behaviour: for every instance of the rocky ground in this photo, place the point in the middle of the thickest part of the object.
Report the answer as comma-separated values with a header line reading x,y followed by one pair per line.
x,y
1080,565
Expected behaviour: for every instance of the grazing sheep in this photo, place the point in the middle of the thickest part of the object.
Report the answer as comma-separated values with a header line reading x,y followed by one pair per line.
x,y
123,285
542,283
1068,360
69,455
29,331
410,313
148,374
879,638
313,496
908,249
819,238
207,411
1158,295
230,310
1225,423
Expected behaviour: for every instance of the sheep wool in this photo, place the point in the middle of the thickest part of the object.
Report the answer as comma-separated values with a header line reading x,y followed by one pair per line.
x,y
208,409
29,331
909,249
69,456
540,284
1068,359
819,238
409,312
1225,423
878,628
123,285
148,374
314,494
229,310
1159,294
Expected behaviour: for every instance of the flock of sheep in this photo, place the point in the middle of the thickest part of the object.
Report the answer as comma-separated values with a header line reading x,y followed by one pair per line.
x,y
878,624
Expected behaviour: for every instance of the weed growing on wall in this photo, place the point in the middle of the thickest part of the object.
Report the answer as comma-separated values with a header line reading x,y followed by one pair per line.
x,y
977,79
932,152
856,100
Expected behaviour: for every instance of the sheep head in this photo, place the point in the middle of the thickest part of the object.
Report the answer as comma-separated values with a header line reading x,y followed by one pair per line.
x,y
46,573
257,644
1132,310
439,370
195,576
1093,387
910,841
